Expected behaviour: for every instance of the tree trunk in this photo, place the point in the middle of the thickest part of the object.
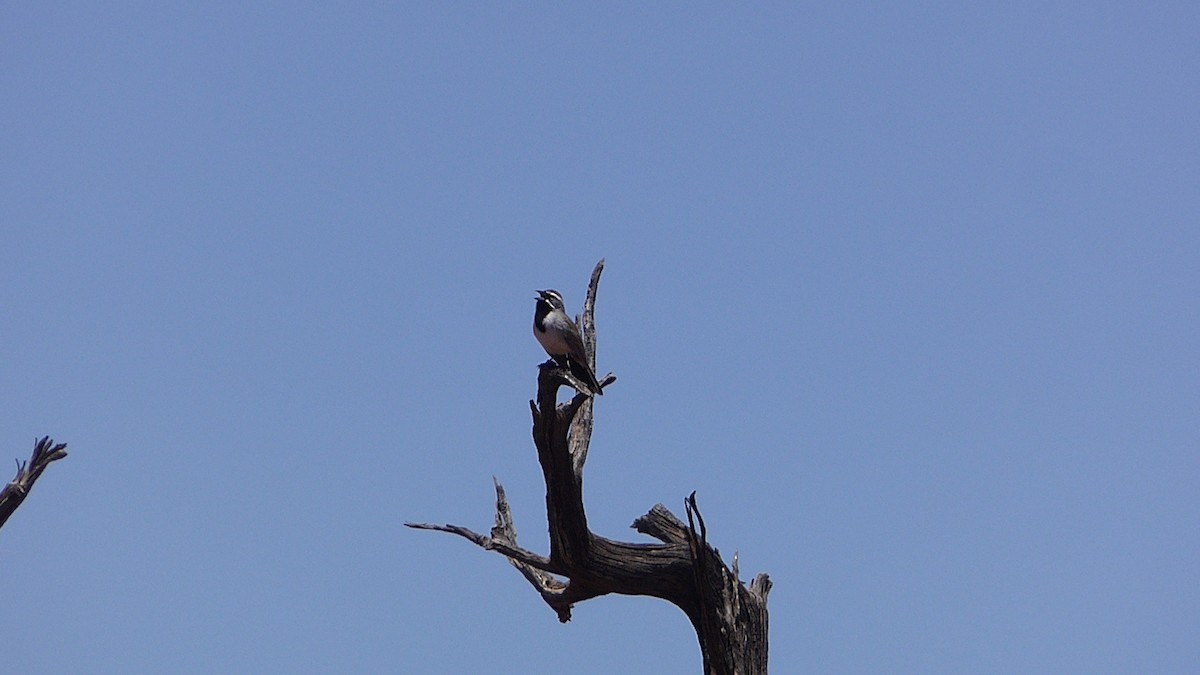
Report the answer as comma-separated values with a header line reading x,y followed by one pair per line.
x,y
730,617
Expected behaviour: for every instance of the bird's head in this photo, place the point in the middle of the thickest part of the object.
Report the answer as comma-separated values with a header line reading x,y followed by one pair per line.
x,y
551,297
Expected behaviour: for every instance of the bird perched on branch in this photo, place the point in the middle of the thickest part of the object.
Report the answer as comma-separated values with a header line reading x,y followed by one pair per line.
x,y
560,337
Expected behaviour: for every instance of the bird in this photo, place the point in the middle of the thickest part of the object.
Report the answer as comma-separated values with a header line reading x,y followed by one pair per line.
x,y
560,337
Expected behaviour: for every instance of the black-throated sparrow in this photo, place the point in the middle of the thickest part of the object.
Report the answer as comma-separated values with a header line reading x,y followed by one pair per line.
x,y
560,337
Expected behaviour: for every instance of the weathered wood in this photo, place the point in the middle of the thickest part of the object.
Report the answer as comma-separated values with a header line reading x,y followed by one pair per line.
x,y
729,617
45,451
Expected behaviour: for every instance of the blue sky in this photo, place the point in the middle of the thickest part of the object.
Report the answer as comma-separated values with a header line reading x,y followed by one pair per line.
x,y
908,295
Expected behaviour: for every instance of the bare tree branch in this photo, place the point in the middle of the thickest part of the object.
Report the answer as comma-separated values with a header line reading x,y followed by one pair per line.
x,y
45,451
730,618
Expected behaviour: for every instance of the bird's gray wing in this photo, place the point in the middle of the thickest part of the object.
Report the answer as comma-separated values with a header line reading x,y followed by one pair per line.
x,y
575,343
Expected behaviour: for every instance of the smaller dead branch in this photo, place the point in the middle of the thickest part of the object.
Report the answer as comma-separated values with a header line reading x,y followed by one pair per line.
x,y
45,451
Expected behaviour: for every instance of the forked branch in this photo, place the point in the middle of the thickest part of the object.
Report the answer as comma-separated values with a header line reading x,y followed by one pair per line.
x,y
730,618
45,451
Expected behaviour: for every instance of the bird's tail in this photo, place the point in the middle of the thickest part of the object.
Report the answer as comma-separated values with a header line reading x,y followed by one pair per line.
x,y
585,375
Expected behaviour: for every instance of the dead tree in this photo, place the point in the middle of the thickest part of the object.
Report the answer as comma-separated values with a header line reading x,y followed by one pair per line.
x,y
44,452
729,617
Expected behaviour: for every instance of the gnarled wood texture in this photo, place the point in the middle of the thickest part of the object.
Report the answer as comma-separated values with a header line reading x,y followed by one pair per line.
x,y
730,618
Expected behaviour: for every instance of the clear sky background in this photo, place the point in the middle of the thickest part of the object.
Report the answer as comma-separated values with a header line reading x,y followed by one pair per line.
x,y
909,296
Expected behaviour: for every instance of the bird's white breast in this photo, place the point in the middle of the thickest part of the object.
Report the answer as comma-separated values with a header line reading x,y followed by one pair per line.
x,y
552,341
